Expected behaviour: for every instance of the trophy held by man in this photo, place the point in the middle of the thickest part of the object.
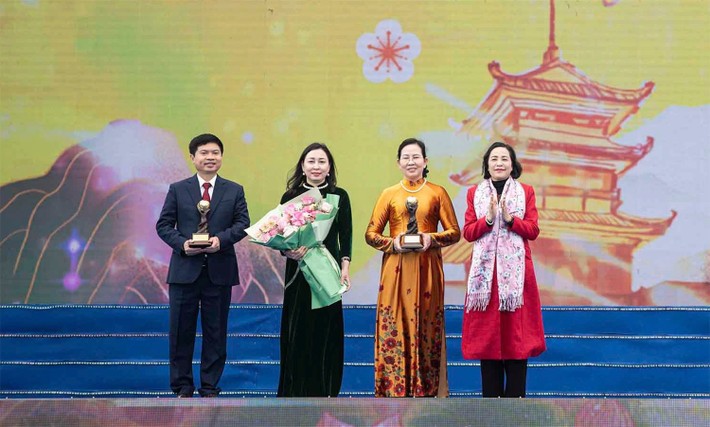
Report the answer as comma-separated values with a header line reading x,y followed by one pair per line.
x,y
201,239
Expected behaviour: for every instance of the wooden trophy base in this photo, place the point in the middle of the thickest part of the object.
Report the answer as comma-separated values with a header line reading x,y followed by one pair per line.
x,y
200,240
411,241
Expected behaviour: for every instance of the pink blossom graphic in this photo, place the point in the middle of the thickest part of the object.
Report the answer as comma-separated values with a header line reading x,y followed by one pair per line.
x,y
388,53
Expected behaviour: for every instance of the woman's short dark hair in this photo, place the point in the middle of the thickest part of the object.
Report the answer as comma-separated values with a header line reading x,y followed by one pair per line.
x,y
517,167
204,139
412,141
297,177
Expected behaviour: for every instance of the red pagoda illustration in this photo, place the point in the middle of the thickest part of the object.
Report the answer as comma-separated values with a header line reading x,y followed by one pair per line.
x,y
561,124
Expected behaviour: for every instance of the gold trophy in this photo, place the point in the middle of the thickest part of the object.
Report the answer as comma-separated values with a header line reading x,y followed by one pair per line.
x,y
202,237
412,239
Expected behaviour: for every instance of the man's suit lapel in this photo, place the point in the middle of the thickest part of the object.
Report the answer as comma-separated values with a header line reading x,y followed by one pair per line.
x,y
193,188
220,186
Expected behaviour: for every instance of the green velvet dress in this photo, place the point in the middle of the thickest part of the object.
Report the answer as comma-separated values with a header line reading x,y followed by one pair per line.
x,y
312,340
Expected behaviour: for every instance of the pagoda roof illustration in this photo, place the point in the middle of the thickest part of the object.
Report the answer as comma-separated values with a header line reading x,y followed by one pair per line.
x,y
556,113
596,153
561,124
557,85
616,226
562,77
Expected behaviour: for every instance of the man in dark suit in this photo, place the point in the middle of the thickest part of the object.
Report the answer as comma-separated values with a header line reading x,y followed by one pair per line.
x,y
201,277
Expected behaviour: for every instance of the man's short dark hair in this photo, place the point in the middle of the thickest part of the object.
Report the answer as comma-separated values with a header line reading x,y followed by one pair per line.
x,y
204,139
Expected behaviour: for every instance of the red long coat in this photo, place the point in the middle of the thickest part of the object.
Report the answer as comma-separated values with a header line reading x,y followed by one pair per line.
x,y
502,335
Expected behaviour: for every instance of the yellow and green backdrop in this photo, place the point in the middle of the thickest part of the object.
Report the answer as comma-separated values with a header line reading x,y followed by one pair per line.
x,y
98,100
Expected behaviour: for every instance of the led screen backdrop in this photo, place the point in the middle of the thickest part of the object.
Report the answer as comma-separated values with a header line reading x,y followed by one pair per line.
x,y
606,102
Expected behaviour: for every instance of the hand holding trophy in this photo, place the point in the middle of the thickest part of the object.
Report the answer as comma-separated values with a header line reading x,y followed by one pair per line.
x,y
412,240
200,239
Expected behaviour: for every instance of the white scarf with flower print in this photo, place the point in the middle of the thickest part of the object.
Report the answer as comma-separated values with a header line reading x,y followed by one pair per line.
x,y
501,246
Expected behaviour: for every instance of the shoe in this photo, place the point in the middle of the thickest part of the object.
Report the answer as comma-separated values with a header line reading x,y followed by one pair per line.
x,y
210,395
184,395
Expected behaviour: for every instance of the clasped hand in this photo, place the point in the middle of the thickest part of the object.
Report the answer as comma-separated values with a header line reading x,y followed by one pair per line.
x,y
212,248
426,242
296,254
493,209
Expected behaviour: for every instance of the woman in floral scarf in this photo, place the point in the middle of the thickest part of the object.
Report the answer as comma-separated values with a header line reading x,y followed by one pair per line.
x,y
502,323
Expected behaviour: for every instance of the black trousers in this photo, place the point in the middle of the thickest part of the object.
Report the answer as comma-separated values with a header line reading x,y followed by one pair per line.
x,y
504,378
186,300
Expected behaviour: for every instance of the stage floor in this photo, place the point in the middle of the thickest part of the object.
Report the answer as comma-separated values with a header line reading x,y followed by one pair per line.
x,y
344,412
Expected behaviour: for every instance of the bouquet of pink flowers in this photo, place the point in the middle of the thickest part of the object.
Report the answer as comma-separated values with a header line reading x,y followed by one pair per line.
x,y
305,221
286,219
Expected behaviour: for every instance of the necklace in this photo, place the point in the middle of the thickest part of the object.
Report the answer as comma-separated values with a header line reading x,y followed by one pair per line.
x,y
320,187
412,191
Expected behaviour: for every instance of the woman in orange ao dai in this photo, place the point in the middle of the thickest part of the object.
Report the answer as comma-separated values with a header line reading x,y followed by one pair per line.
x,y
410,340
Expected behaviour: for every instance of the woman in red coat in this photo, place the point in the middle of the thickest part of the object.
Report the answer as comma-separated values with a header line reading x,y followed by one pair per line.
x,y
502,323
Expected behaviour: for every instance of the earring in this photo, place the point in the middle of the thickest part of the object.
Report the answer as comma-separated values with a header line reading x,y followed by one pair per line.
x,y
303,173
